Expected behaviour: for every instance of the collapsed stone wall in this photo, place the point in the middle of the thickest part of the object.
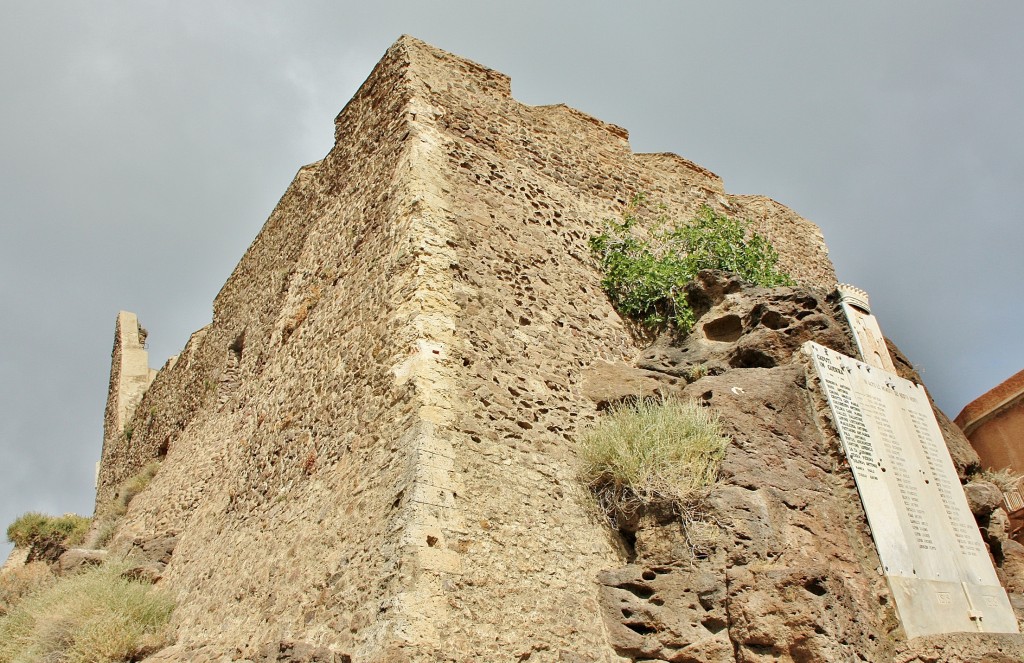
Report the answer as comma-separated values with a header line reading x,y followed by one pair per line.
x,y
370,451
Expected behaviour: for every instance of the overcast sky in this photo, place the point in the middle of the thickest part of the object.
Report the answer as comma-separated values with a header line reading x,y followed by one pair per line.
x,y
143,144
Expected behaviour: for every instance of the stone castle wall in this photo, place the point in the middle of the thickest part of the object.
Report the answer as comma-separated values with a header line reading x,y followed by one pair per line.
x,y
371,448
130,377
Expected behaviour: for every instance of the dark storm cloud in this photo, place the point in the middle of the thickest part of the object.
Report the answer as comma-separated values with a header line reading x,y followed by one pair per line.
x,y
143,144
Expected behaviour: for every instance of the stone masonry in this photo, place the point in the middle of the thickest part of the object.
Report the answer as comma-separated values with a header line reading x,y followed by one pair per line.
x,y
130,377
370,452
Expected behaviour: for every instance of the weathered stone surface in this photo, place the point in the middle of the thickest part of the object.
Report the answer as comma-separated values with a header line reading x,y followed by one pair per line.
x,y
983,497
745,328
1013,565
75,558
666,613
608,383
17,559
150,572
793,551
371,448
288,651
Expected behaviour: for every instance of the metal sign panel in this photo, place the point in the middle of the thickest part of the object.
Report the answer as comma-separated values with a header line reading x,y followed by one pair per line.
x,y
927,539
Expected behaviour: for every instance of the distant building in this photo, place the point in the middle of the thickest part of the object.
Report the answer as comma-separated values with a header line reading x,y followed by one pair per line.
x,y
994,423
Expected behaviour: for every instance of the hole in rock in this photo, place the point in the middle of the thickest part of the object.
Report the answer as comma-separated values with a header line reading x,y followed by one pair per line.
x,y
627,613
714,624
431,541
774,320
648,575
641,628
725,329
816,586
629,542
751,358
637,589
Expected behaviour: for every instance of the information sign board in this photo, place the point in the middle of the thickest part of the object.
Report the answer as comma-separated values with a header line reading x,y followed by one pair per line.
x,y
927,539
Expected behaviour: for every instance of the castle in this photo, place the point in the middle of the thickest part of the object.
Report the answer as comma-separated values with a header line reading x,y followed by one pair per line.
x,y
369,454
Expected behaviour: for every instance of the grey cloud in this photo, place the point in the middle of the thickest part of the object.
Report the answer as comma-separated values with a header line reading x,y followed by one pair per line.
x,y
143,144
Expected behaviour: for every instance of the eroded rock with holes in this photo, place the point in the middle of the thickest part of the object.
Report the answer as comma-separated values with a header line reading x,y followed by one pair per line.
x,y
744,327
792,553
667,613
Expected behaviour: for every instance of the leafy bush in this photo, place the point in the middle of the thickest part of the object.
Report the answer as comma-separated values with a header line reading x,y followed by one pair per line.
x,y
645,276
96,616
34,528
649,453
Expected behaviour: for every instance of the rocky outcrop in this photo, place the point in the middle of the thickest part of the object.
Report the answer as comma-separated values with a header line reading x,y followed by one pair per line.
x,y
791,572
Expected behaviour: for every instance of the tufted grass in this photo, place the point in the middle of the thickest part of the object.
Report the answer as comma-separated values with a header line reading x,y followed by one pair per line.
x,y
96,616
652,454
18,582
1005,479
32,528
138,483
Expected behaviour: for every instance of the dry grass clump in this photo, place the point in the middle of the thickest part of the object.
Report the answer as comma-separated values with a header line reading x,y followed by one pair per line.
x,y
36,528
1004,479
21,581
109,516
96,616
652,454
135,485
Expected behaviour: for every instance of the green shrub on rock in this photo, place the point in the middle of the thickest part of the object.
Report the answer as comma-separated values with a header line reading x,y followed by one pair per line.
x,y
646,265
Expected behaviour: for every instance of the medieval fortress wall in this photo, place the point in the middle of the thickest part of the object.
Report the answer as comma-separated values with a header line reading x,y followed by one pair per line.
x,y
372,445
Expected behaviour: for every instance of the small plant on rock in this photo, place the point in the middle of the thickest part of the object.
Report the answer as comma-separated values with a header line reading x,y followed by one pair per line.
x,y
108,518
1005,479
646,265
660,454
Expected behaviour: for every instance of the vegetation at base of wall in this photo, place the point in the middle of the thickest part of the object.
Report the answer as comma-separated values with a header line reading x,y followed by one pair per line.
x,y
652,454
138,483
109,516
33,529
645,274
96,616
20,581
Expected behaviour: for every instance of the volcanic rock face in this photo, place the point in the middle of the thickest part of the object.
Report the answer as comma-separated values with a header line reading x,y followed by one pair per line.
x,y
790,572
369,453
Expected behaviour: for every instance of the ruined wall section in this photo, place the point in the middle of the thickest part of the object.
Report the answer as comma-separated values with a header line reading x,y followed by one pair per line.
x,y
293,484
210,367
130,376
202,371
